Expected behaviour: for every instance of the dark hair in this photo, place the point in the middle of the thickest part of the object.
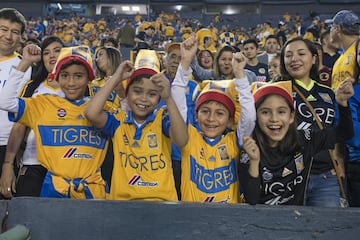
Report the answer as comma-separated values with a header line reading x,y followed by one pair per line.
x,y
114,42
323,35
70,63
288,145
41,73
206,38
80,63
251,40
272,36
114,58
226,48
314,72
137,79
356,65
13,15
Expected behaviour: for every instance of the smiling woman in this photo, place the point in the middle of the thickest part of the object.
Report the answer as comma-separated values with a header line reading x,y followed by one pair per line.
x,y
299,61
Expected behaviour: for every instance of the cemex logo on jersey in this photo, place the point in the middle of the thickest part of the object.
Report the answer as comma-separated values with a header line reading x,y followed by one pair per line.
x,y
136,181
72,153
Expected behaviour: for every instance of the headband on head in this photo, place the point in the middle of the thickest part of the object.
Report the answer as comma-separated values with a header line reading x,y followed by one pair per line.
x,y
71,54
282,88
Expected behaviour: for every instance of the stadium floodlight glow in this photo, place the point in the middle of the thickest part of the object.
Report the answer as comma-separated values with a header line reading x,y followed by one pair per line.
x,y
135,8
178,7
59,6
125,8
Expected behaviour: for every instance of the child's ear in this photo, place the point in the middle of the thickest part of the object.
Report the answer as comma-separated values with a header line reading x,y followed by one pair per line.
x,y
196,117
292,117
230,122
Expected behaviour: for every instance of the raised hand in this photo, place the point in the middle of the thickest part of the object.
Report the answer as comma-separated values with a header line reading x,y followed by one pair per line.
x,y
251,148
163,84
124,71
238,62
344,91
31,54
188,50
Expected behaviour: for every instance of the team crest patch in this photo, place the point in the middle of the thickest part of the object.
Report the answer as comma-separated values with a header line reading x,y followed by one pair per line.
x,y
299,163
326,97
61,113
152,141
223,153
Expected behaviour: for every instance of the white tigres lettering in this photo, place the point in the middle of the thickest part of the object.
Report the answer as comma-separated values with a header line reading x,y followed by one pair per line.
x,y
282,192
325,114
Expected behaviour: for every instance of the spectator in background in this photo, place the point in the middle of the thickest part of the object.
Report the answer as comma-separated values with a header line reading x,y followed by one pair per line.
x,y
205,59
109,42
315,28
281,34
222,67
271,47
324,71
274,67
251,49
330,50
145,39
126,38
208,45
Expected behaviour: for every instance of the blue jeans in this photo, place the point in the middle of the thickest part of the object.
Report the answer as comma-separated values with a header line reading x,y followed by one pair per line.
x,y
323,190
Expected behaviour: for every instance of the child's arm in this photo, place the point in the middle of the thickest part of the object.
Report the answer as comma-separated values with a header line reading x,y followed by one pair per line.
x,y
8,96
178,128
178,87
94,111
247,119
251,182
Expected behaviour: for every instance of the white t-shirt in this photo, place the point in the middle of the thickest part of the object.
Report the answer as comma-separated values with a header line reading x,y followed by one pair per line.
x,y
6,65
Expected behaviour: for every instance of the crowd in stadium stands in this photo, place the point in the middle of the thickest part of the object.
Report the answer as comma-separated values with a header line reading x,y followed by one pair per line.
x,y
239,125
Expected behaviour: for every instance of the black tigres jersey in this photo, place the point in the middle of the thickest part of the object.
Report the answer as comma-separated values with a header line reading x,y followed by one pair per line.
x,y
282,179
322,99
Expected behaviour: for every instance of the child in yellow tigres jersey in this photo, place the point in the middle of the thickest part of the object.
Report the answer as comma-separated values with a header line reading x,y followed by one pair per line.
x,y
66,143
210,157
141,136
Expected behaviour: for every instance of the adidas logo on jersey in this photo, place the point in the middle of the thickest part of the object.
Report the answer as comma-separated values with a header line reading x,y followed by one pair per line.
x,y
286,172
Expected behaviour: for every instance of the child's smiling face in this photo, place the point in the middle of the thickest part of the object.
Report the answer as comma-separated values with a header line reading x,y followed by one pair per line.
x,y
73,81
143,96
274,117
213,118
